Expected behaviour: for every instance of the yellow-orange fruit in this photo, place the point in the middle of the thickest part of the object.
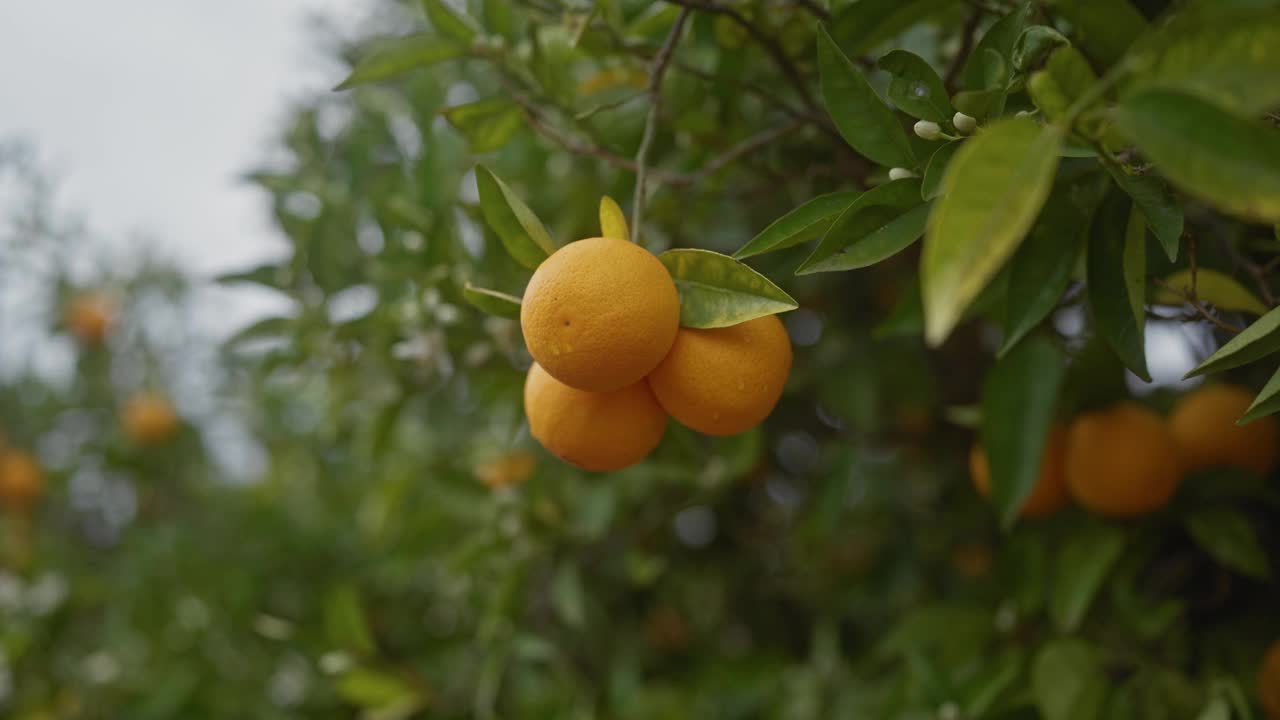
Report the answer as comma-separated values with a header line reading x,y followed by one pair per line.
x,y
1204,423
510,469
594,431
724,381
90,317
600,314
1269,682
1049,494
149,419
21,478
1122,461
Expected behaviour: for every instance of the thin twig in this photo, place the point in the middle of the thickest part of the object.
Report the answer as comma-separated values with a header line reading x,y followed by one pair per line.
x,y
743,148
1188,296
659,69
1255,271
967,34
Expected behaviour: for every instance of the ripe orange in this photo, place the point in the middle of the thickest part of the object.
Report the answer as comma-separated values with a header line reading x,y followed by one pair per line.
x,y
21,478
149,418
1204,423
1049,494
594,431
91,317
724,381
1122,461
1269,682
600,314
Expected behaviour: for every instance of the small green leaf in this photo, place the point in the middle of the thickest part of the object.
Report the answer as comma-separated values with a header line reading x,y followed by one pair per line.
x,y
1103,29
522,233
488,124
1063,80
345,623
450,22
863,25
999,41
805,223
1257,341
568,596
266,328
1160,206
613,224
1216,709
865,122
1266,403
388,58
1034,45
1018,402
1082,565
1116,271
499,18
931,187
916,88
1231,163
1213,287
992,192
1068,681
879,223
492,301
1230,539
268,275
718,291
368,688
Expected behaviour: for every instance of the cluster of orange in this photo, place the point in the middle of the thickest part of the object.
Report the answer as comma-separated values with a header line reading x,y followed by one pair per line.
x,y
1127,460
601,318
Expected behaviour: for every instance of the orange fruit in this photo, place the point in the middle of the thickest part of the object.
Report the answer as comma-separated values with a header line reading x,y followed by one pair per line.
x,y
1049,494
1269,682
91,316
149,418
508,470
21,478
1122,461
600,314
723,381
594,431
1204,423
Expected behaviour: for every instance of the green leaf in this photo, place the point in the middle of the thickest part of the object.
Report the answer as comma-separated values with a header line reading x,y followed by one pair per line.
x,y
345,624
865,122
1041,269
613,224
568,597
907,316
1034,45
916,88
992,193
521,231
805,223
980,104
1213,287
1230,539
499,18
999,40
1068,682
266,328
1266,403
388,58
864,24
450,22
492,301
1231,163
268,275
1217,709
931,187
1103,29
1230,58
1063,80
1116,272
368,688
879,223
1018,402
718,291
488,124
1082,565
1159,205
1259,340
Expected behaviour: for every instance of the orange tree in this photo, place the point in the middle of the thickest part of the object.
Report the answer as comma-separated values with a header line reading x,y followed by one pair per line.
x,y
968,215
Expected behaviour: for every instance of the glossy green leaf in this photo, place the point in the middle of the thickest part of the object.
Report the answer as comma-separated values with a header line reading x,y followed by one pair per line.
x,y
1159,205
1068,681
1266,403
992,192
1218,289
931,186
613,223
999,40
1259,340
879,221
391,57
1103,29
1230,539
718,291
805,223
1116,277
492,301
1231,163
345,623
862,25
862,118
488,124
1063,80
1018,402
449,22
1034,45
521,232
915,87
1082,565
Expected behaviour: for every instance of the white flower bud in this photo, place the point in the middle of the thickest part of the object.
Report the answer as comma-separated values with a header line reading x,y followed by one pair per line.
x,y
964,123
928,130
900,174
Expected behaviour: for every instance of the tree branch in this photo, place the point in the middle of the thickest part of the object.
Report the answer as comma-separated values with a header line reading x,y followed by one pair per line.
x,y
1189,297
658,71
